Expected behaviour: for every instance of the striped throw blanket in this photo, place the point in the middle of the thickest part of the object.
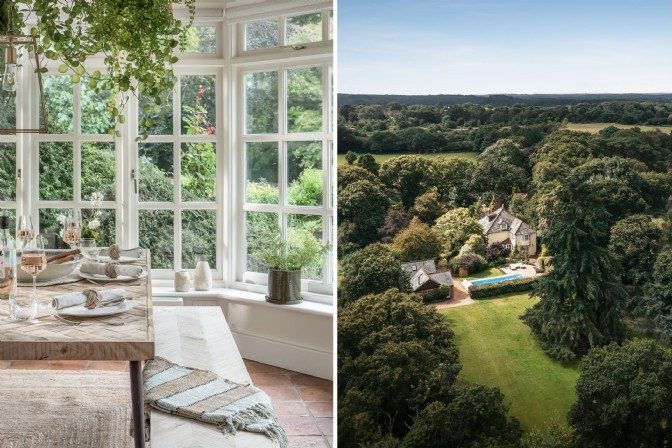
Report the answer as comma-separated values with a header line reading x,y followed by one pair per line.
x,y
206,396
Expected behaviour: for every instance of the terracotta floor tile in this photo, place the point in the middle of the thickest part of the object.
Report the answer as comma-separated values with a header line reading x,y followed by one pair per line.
x,y
310,393
5,364
116,366
307,442
326,424
67,365
281,392
307,380
330,440
257,367
297,408
270,379
29,365
321,408
297,426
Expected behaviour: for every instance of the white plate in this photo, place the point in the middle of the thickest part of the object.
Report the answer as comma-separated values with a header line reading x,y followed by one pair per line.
x,y
105,259
80,311
105,278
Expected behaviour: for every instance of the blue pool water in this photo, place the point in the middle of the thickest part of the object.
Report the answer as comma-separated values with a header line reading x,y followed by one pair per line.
x,y
496,279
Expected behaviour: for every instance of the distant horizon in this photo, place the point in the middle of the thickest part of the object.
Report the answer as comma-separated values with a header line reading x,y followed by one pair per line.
x,y
508,94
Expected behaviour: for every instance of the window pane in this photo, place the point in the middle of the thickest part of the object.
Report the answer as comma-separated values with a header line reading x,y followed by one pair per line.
x,y
155,161
199,238
59,99
262,173
198,164
153,119
50,228
305,226
304,99
98,170
7,171
304,173
200,39
331,24
56,171
105,229
156,234
259,226
7,109
261,34
198,105
303,29
95,117
261,103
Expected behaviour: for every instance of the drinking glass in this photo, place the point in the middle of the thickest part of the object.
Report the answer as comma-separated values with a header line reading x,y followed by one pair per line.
x,y
73,230
33,261
24,229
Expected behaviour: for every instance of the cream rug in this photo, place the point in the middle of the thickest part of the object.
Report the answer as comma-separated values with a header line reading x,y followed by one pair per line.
x,y
61,409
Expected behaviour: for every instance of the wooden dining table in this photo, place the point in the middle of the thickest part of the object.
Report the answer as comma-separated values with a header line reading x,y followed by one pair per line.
x,y
47,338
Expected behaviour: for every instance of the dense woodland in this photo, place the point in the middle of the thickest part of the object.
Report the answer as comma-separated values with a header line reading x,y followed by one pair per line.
x,y
602,207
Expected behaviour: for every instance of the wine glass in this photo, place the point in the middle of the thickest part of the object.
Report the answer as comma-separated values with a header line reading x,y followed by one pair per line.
x,y
25,228
33,259
73,230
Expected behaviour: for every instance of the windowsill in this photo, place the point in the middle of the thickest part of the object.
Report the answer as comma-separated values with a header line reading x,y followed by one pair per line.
x,y
164,288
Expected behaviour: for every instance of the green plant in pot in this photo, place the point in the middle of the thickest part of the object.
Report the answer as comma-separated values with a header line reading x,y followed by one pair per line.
x,y
285,259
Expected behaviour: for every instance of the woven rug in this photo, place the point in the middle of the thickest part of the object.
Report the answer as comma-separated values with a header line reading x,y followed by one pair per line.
x,y
59,409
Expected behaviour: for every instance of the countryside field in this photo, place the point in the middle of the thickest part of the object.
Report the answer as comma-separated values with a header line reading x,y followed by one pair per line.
x,y
594,128
497,349
380,158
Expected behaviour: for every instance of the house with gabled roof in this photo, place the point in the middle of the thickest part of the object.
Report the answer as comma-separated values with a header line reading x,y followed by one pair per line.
x,y
424,278
501,226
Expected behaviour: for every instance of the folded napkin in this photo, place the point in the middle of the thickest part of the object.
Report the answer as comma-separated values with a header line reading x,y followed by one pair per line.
x,y
80,298
111,269
114,252
203,395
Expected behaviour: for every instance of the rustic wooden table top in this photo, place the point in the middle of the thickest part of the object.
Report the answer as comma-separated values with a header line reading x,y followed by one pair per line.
x,y
50,339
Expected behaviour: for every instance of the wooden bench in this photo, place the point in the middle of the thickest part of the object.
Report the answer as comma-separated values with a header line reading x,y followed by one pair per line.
x,y
198,337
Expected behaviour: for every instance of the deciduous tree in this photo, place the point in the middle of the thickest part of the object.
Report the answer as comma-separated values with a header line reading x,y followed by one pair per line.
x,y
454,229
417,242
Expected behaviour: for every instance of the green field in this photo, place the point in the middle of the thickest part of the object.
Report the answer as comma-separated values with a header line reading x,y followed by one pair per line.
x,y
380,158
594,128
497,349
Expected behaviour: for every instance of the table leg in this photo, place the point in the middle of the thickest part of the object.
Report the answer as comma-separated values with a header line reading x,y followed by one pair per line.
x,y
137,401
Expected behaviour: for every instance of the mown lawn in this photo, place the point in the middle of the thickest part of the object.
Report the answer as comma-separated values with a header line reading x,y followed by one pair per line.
x,y
380,158
489,272
497,349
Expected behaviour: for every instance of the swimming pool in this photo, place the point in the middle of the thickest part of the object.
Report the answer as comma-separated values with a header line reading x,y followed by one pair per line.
x,y
502,278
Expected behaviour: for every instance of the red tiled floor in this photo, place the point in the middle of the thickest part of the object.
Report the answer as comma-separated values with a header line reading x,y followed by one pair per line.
x,y
290,408
307,442
326,425
270,379
298,426
309,393
306,380
281,392
257,367
321,408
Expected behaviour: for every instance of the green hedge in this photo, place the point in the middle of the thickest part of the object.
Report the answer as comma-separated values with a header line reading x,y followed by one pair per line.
x,y
496,289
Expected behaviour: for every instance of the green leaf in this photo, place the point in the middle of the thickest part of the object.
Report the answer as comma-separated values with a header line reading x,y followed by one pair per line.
x,y
62,68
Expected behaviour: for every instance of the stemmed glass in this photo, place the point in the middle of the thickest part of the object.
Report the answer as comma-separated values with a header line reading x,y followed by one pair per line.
x,y
73,229
33,259
25,228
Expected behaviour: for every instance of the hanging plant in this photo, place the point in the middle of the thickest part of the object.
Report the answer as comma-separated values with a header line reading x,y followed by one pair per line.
x,y
136,39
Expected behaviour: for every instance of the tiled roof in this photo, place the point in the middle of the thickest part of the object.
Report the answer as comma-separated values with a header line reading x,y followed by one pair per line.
x,y
501,220
414,266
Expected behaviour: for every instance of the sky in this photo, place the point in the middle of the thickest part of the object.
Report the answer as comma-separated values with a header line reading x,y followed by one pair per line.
x,y
421,47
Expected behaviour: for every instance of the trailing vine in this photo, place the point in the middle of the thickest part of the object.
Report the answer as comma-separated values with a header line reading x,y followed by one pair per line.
x,y
136,39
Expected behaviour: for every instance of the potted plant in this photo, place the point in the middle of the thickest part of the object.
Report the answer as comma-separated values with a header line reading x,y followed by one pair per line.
x,y
285,259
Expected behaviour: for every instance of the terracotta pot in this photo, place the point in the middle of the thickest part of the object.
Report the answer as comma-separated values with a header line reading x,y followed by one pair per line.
x,y
284,287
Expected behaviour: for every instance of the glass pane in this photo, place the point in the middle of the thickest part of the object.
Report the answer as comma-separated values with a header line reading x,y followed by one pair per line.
x,y
331,98
198,165
261,103
102,226
304,173
156,234
56,169
200,39
262,173
198,105
303,29
155,161
7,171
305,226
199,238
7,109
332,174
50,227
58,95
95,117
98,170
153,119
261,34
304,99
258,226
331,24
